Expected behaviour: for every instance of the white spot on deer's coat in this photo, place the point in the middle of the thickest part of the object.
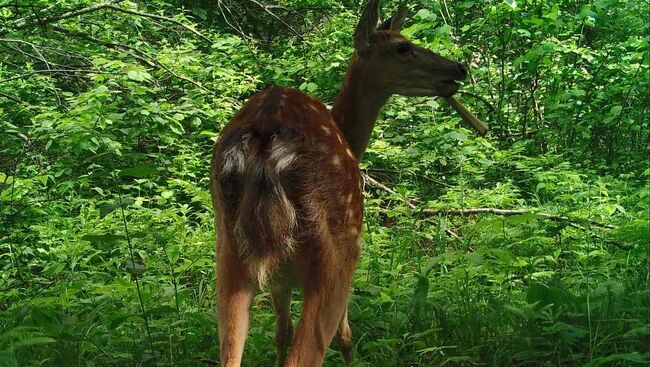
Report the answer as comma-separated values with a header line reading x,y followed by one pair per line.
x,y
338,136
326,129
347,150
350,214
283,155
336,161
233,159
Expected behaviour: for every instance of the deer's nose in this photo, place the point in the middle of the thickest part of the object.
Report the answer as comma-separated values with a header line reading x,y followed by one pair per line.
x,y
463,71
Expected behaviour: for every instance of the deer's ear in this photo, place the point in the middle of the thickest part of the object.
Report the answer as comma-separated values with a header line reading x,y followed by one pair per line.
x,y
366,26
395,22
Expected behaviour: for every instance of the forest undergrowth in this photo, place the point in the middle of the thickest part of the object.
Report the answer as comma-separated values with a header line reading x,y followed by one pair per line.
x,y
527,247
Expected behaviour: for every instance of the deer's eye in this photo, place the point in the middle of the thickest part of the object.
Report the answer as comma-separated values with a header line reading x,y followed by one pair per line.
x,y
403,47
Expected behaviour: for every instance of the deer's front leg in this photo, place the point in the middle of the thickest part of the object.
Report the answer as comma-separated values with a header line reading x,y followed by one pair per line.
x,y
235,291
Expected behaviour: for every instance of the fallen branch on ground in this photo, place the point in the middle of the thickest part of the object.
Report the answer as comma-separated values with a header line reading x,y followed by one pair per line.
x,y
374,183
506,212
573,222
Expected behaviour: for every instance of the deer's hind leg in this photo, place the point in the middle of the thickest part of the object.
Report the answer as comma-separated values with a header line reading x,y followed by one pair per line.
x,y
326,280
235,291
281,295
344,336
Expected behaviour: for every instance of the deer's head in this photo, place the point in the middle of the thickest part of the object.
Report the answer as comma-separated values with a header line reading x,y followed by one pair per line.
x,y
397,66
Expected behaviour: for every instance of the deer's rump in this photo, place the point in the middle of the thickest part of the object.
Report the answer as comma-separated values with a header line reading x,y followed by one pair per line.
x,y
283,178
256,184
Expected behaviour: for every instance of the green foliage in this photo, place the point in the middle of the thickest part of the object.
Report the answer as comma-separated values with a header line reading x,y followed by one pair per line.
x,y
107,121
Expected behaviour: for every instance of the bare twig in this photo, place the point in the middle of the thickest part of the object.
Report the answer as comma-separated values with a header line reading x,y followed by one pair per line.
x,y
268,10
38,56
40,49
237,28
374,183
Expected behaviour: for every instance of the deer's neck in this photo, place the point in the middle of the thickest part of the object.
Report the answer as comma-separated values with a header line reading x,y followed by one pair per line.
x,y
356,108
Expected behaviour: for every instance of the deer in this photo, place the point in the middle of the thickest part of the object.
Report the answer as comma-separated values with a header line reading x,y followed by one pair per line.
x,y
287,195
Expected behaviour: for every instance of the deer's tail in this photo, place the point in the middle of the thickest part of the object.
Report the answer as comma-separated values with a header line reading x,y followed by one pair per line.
x,y
251,169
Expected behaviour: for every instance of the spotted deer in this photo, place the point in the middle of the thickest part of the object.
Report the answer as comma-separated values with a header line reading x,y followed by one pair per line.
x,y
286,191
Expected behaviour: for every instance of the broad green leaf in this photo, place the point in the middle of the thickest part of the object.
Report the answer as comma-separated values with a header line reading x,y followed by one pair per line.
x,y
139,171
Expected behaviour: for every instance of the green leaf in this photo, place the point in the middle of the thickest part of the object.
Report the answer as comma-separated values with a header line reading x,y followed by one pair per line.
x,y
106,209
634,357
523,218
424,14
545,294
135,269
106,237
138,75
457,135
420,293
139,171
37,340
8,358
445,29
161,310
616,110
511,3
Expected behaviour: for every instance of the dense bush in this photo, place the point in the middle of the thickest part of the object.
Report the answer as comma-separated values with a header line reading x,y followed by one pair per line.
x,y
108,113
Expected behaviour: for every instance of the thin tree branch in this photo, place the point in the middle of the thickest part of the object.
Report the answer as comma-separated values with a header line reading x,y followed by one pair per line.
x,y
160,17
266,9
110,44
139,55
238,28
9,96
54,71
22,24
39,56
374,183
474,95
